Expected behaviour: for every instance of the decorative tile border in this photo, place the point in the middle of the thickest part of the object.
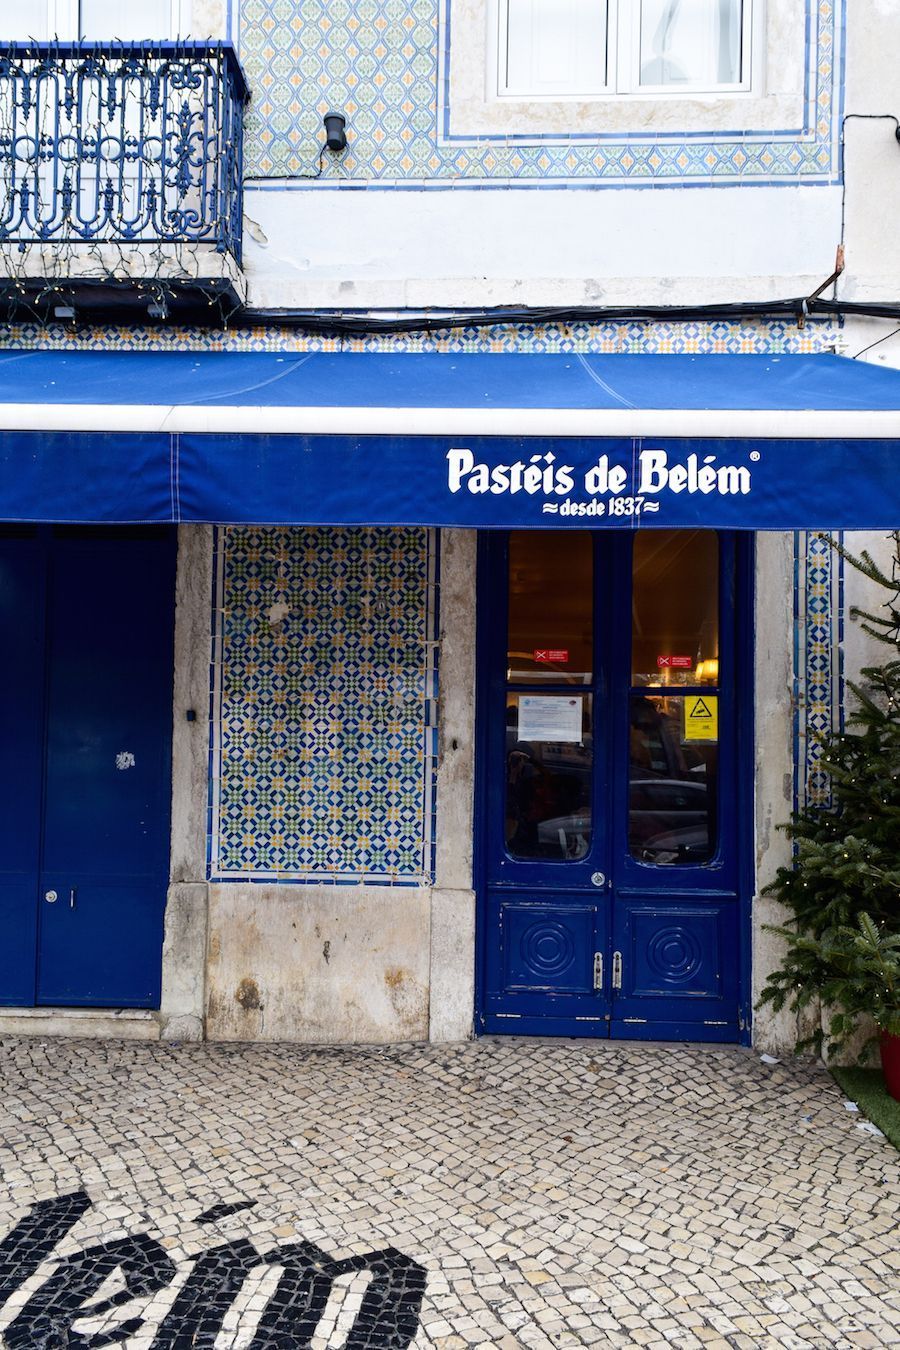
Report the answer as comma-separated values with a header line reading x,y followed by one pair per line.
x,y
324,695
384,64
748,337
818,662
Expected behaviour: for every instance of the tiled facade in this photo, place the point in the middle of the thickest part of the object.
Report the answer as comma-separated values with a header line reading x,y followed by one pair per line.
x,y
694,337
818,666
385,64
324,696
321,770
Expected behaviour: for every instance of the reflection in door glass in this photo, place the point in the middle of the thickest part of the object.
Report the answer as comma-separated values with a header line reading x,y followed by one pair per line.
x,y
551,629
675,608
672,787
549,755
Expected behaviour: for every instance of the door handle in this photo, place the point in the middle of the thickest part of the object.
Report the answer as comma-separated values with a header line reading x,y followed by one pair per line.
x,y
617,970
598,970
52,896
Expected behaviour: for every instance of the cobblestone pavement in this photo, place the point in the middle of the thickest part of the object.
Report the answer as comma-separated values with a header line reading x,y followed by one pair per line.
x,y
500,1194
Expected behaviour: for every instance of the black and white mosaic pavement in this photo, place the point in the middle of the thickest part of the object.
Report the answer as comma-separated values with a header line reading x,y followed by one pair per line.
x,y
500,1194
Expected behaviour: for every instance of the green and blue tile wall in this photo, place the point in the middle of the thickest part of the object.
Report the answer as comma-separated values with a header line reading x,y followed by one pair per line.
x,y
384,64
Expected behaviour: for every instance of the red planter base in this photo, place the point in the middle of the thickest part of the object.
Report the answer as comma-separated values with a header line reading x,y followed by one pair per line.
x,y
890,1064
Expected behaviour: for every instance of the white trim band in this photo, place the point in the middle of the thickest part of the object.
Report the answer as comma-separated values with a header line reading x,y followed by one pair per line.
x,y
745,424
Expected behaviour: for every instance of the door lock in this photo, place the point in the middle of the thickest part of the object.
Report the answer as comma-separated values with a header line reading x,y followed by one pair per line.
x,y
617,970
598,970
598,878
51,897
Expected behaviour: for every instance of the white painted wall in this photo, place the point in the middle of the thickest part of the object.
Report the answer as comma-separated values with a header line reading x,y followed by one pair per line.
x,y
458,247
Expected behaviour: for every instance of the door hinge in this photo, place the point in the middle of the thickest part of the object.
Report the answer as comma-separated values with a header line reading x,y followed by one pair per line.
x,y
617,970
598,970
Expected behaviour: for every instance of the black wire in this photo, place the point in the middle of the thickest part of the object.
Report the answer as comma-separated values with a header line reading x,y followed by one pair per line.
x,y
290,177
860,117
221,309
365,324
876,343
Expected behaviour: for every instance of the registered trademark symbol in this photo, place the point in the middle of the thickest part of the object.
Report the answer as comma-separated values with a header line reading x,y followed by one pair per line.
x,y
754,454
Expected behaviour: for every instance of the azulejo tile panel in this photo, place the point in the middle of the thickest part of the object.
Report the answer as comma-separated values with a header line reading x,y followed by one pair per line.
x,y
323,701
384,64
818,662
708,337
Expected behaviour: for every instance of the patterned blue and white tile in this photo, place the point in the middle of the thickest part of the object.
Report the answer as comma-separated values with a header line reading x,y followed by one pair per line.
x,y
324,687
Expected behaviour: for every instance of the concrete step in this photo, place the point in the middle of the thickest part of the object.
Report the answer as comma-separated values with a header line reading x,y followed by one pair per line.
x,y
122,1024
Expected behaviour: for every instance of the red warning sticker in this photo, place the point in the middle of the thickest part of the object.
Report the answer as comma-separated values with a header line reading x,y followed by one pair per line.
x,y
674,662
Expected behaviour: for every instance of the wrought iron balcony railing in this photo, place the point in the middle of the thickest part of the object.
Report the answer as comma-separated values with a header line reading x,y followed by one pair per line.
x,y
121,144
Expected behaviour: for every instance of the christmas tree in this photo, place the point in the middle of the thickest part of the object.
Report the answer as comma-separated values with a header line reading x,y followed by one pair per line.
x,y
845,873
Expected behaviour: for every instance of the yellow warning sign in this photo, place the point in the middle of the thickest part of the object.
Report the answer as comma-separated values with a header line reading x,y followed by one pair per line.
x,y
701,718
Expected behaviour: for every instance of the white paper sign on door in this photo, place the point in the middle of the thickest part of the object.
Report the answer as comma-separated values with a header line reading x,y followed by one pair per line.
x,y
549,717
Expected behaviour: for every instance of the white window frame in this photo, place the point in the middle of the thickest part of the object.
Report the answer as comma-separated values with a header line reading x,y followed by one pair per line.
x,y
623,56
62,19
777,97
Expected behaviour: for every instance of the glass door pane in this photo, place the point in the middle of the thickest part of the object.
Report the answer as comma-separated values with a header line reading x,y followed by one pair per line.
x,y
675,608
672,782
549,764
551,626
549,734
673,736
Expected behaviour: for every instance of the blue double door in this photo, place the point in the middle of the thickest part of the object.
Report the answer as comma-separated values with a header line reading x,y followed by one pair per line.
x,y
612,803
86,631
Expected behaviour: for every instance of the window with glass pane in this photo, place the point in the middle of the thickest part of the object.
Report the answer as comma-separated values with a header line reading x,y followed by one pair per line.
x,y
554,46
585,48
101,20
549,756
672,785
691,42
551,630
675,608
27,23
94,20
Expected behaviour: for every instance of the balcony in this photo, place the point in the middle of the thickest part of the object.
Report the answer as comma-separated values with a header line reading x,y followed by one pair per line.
x,y
120,178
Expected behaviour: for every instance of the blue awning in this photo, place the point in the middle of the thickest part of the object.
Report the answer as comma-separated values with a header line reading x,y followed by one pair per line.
x,y
752,442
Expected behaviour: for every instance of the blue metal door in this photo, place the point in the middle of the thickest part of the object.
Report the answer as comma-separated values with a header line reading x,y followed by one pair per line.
x,y
87,618
609,787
